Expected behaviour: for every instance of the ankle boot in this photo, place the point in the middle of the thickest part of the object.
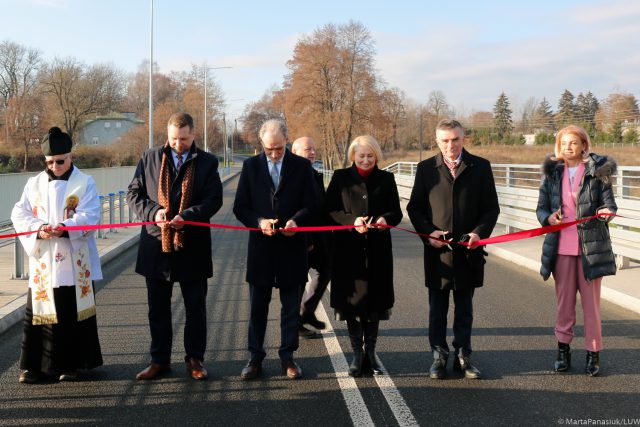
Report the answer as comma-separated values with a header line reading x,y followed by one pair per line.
x,y
563,361
355,336
438,368
462,363
593,363
370,339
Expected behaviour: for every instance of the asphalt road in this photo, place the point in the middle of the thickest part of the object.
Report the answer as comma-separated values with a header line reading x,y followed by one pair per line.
x,y
513,345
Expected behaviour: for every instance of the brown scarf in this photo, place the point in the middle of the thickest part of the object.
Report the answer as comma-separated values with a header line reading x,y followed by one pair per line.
x,y
173,239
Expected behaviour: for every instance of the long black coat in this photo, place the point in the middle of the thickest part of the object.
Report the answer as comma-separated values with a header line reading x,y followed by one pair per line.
x,y
366,256
595,192
278,260
320,254
193,262
468,204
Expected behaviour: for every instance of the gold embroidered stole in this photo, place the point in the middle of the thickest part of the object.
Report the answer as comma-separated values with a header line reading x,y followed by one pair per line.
x,y
42,302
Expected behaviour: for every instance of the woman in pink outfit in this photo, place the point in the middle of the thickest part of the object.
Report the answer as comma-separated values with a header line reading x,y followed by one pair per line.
x,y
577,184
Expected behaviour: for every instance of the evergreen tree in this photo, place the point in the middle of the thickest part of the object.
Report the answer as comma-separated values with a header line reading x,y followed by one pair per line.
x,y
566,109
615,134
502,121
586,108
630,136
544,116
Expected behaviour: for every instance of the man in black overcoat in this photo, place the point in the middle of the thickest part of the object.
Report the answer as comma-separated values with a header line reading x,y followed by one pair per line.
x,y
453,198
176,182
319,249
276,192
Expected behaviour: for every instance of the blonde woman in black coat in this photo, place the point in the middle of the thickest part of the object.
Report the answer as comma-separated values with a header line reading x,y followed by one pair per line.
x,y
362,276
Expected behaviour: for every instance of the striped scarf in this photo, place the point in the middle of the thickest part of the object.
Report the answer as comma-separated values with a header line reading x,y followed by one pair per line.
x,y
173,239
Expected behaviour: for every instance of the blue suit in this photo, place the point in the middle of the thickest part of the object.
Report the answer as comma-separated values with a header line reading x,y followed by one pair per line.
x,y
276,261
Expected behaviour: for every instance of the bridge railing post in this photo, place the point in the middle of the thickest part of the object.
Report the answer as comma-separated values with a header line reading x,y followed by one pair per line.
x,y
121,205
101,232
18,261
112,211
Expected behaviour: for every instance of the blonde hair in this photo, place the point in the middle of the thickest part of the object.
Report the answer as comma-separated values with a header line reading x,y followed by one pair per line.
x,y
576,131
365,141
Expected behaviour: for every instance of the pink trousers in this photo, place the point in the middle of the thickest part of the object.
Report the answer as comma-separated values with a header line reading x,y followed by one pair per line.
x,y
570,279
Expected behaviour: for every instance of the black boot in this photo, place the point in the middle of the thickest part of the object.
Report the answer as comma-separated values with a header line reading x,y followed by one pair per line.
x,y
462,363
370,339
355,336
593,363
563,361
438,369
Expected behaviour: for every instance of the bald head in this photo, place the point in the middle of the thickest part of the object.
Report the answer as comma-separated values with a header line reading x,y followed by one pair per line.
x,y
305,147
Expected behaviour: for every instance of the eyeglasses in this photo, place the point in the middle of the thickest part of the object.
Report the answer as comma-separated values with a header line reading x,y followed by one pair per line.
x,y
57,161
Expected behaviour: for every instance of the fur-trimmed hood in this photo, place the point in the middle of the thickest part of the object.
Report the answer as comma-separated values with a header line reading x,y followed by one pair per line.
x,y
602,167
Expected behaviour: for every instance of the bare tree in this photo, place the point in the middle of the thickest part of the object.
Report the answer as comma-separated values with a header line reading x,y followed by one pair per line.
x,y
79,91
18,81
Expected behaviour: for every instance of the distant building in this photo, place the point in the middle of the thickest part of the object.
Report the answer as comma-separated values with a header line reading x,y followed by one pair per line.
x,y
529,138
109,129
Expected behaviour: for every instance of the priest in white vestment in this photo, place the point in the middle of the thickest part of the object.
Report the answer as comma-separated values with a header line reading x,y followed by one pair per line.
x,y
60,331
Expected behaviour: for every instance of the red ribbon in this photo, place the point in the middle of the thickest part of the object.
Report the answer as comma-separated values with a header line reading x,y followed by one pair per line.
x,y
519,235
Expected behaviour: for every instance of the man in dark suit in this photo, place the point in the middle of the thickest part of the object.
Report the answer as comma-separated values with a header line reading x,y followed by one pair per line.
x,y
453,198
276,189
319,247
176,182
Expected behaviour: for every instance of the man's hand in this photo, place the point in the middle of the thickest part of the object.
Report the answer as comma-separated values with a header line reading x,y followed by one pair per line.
x,y
381,221
161,215
438,234
55,230
176,222
361,224
268,226
45,232
290,224
473,239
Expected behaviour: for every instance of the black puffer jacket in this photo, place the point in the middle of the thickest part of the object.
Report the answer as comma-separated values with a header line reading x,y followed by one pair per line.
x,y
595,192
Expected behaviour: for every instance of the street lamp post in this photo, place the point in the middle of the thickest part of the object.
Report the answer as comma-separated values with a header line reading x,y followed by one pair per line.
x,y
151,80
206,110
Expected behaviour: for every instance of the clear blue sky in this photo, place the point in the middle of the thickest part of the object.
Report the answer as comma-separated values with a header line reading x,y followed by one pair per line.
x,y
470,50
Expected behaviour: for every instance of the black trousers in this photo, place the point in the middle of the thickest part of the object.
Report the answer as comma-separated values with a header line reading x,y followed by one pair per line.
x,y
462,319
194,294
66,346
260,297
323,277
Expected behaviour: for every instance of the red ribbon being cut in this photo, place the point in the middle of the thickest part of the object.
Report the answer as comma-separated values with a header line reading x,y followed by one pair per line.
x,y
519,235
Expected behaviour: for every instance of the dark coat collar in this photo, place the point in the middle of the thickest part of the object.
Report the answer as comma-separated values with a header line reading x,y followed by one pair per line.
x,y
601,167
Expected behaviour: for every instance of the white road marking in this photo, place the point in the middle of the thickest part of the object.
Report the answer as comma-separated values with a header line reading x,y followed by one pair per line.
x,y
358,411
396,402
352,396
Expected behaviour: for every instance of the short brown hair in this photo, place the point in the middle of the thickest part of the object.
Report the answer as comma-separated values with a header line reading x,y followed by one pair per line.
x,y
181,120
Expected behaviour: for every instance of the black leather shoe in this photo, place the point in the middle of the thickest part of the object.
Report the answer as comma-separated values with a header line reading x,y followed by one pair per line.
x,y
252,370
68,376
563,360
438,369
311,320
373,363
355,369
291,369
29,377
307,333
593,363
463,364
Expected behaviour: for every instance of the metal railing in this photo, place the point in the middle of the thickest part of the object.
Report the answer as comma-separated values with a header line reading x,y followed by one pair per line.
x,y
517,186
113,209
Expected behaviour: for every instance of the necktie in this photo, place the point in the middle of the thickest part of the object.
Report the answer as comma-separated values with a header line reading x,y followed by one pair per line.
x,y
179,161
275,176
